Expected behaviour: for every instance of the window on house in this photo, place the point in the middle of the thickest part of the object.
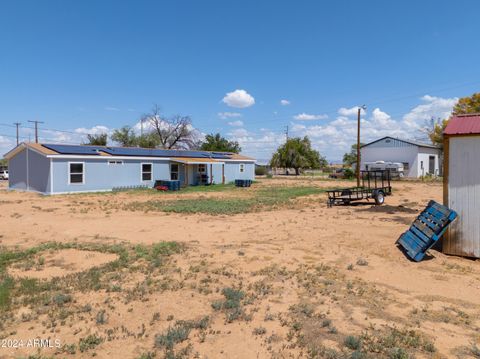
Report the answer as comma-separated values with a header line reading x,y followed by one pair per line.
x,y
406,166
174,171
242,168
114,162
76,172
146,171
202,168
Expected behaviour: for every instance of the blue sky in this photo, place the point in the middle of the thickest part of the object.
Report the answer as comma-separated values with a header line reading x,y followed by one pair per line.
x,y
91,66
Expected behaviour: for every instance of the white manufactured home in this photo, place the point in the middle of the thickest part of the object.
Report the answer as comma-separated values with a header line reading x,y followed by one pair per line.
x,y
418,159
461,185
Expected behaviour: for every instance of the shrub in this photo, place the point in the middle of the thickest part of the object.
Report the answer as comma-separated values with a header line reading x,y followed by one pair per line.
x,y
259,331
89,342
348,173
231,304
352,342
6,285
260,170
176,334
179,332
362,262
398,353
61,299
101,317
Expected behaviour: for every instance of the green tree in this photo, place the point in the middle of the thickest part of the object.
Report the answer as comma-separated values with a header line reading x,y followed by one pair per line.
x,y
465,105
215,142
97,140
350,158
125,137
298,153
436,132
469,104
149,140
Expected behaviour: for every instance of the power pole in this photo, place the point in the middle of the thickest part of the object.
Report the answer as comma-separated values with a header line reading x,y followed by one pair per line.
x,y
36,129
286,133
358,144
17,124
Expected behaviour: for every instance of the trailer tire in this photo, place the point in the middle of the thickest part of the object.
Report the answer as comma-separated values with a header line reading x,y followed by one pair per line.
x,y
379,198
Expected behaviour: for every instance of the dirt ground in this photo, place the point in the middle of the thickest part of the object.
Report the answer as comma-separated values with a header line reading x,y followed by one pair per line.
x,y
311,281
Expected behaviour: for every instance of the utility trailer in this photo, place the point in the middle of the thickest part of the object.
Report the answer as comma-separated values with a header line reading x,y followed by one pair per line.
x,y
375,185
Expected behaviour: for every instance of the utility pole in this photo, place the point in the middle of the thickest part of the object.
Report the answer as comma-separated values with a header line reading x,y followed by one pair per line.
x,y
358,144
286,133
17,124
36,129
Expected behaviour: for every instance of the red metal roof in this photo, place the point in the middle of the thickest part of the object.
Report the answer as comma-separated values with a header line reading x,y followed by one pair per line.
x,y
463,125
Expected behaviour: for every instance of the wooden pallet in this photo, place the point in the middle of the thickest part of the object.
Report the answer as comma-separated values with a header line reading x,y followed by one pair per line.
x,y
426,230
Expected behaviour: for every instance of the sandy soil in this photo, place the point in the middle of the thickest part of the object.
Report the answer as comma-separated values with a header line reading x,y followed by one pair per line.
x,y
60,263
340,261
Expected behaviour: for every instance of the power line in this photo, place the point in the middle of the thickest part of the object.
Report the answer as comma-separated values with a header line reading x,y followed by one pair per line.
x,y
36,129
374,102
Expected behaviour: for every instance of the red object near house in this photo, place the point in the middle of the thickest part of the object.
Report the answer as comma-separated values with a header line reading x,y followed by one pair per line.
x,y
463,124
161,188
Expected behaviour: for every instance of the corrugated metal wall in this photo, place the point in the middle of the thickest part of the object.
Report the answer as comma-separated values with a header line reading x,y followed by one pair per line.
x,y
464,196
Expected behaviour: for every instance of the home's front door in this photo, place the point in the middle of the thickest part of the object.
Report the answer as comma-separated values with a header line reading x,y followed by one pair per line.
x,y
174,171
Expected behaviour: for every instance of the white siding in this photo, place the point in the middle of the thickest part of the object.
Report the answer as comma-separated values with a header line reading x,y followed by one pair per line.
x,y
392,154
394,150
464,196
424,156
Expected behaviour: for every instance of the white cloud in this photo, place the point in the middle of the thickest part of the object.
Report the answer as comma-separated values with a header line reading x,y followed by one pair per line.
x,y
110,108
308,117
284,102
237,123
95,130
343,111
333,138
258,145
6,144
225,115
431,107
239,133
239,99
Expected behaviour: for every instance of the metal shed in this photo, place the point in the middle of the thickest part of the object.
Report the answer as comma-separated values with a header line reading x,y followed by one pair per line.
x,y
461,184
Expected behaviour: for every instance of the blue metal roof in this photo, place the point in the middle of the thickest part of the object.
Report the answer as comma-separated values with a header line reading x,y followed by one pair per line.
x,y
134,152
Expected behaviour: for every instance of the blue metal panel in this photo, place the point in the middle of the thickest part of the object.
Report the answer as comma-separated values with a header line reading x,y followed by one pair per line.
x,y
17,171
38,172
100,176
232,171
426,230
29,170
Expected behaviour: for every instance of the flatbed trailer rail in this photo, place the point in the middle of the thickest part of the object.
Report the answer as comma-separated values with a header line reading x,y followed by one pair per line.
x,y
375,185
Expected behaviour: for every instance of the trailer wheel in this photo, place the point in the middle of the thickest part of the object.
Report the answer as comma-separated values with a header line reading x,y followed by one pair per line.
x,y
379,198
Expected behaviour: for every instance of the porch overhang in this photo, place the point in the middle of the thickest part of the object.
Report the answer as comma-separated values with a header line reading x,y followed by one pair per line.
x,y
194,161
